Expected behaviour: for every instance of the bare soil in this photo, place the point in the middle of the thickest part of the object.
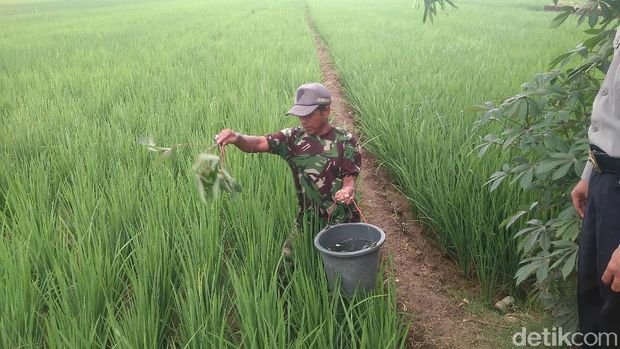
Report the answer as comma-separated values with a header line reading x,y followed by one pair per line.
x,y
426,279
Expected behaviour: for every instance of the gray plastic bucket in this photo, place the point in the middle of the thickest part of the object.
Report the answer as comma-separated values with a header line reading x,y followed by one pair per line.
x,y
358,268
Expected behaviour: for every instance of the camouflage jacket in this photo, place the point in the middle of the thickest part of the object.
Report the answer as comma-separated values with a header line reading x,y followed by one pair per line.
x,y
319,164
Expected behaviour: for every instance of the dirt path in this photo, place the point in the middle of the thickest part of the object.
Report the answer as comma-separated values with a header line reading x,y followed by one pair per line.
x,y
424,276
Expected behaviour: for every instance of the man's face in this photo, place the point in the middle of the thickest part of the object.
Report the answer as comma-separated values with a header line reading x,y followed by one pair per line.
x,y
317,122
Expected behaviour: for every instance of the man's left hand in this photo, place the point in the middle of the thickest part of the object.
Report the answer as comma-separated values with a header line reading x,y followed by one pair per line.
x,y
345,195
612,273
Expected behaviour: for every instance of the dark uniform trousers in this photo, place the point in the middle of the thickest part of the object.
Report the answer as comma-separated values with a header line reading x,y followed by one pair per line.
x,y
599,306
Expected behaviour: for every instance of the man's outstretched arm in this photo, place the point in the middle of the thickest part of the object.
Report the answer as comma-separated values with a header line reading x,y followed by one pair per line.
x,y
246,143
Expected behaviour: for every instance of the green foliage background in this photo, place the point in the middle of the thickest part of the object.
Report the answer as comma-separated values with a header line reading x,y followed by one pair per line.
x,y
103,247
100,246
546,125
412,84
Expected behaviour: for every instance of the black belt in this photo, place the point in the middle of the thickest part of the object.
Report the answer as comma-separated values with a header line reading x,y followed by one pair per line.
x,y
601,162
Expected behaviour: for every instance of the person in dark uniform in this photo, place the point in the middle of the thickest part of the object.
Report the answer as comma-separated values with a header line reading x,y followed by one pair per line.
x,y
597,199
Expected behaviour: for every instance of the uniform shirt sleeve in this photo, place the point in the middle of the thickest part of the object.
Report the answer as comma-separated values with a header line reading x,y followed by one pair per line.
x,y
602,113
351,159
279,142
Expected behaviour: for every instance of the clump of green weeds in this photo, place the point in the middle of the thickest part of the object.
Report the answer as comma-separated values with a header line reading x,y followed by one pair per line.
x,y
211,175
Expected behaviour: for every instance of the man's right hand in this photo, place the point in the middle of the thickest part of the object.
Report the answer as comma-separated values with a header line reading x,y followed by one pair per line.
x,y
227,136
246,143
580,197
611,276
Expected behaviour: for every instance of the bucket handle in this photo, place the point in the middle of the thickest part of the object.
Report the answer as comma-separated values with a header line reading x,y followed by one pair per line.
x,y
331,209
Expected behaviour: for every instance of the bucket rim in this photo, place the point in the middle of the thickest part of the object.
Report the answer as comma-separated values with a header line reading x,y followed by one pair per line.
x,y
348,254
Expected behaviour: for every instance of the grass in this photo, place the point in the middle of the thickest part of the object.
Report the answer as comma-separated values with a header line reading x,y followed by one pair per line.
x,y
496,329
102,247
410,84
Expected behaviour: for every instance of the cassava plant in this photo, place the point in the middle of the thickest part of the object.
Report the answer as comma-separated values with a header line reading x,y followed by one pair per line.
x,y
545,128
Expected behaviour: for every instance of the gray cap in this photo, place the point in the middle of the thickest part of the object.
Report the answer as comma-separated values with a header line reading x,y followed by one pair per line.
x,y
308,97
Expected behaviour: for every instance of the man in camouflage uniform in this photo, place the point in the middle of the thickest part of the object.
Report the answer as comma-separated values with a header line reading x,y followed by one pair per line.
x,y
325,160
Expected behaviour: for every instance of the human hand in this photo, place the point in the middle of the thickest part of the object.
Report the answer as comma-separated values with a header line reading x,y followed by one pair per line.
x,y
345,195
612,273
227,136
580,197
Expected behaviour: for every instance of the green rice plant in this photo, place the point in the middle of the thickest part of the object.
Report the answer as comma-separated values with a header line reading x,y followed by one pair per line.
x,y
354,322
20,320
101,247
260,316
410,84
201,304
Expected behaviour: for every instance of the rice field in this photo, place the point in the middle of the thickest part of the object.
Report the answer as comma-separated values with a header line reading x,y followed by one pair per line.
x,y
103,247
411,84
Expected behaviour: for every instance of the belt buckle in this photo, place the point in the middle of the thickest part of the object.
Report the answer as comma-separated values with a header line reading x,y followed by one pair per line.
x,y
592,159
